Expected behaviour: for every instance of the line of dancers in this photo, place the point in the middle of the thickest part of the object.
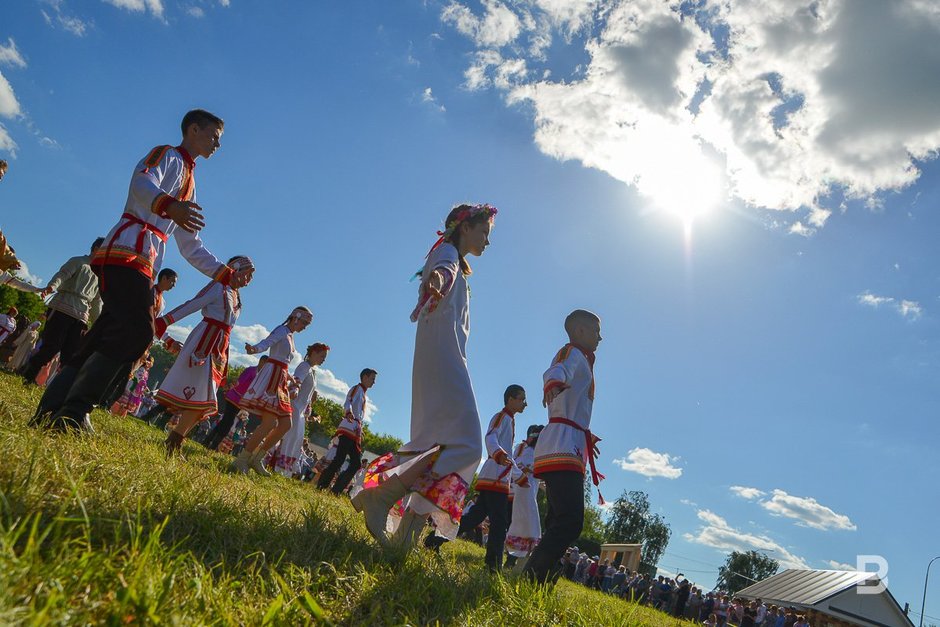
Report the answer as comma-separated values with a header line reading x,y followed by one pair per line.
x,y
427,480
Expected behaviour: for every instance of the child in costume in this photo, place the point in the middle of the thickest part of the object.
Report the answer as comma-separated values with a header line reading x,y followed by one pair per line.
x,y
269,396
136,388
431,473
191,385
25,344
566,444
287,461
349,435
525,528
495,477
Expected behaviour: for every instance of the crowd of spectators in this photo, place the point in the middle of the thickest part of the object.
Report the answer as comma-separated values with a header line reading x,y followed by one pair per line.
x,y
677,596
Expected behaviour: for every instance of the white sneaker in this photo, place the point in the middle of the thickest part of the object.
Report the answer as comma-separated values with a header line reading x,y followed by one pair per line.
x,y
256,462
240,465
409,530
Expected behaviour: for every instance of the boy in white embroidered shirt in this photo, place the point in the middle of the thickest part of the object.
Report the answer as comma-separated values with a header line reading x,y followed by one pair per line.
x,y
349,434
566,443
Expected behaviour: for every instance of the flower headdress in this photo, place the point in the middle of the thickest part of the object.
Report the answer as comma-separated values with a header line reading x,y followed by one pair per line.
x,y
468,212
450,227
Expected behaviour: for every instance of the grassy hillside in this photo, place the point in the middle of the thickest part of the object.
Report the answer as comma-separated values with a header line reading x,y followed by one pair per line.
x,y
102,529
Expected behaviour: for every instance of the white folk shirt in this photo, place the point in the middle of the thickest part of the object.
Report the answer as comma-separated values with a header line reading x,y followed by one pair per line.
x,y
306,377
8,279
7,326
562,447
494,476
281,345
218,302
138,240
353,415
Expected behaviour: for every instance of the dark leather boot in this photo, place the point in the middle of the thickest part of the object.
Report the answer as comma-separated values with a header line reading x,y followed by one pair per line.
x,y
54,396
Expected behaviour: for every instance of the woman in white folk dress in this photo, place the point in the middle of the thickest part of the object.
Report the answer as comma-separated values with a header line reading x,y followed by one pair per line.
x,y
288,457
430,474
191,385
269,395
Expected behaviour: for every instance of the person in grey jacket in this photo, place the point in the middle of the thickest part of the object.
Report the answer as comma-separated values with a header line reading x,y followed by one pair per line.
x,y
76,302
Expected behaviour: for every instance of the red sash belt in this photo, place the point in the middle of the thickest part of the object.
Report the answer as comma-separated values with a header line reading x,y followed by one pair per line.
x,y
590,443
130,219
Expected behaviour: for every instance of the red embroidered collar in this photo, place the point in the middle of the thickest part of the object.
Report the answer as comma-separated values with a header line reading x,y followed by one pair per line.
x,y
186,157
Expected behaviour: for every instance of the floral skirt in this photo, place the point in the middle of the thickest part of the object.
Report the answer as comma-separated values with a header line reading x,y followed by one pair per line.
x,y
268,393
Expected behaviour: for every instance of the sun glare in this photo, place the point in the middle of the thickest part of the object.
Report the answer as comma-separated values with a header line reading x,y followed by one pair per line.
x,y
689,190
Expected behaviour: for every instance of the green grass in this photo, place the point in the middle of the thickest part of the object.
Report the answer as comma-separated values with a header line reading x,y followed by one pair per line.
x,y
103,530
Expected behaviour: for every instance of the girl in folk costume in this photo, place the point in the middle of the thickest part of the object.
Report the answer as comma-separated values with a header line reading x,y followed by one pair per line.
x,y
269,395
25,344
432,472
191,385
288,458
525,528
134,390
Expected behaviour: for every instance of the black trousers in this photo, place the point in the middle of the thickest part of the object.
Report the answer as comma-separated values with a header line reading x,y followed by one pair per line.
x,y
120,336
564,492
222,428
62,334
345,448
496,506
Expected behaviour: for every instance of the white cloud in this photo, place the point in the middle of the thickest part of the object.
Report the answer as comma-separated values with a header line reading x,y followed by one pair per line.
x,y
779,102
24,274
6,142
718,534
428,97
833,564
10,55
912,310
155,7
68,23
650,463
195,11
498,26
807,511
9,105
747,493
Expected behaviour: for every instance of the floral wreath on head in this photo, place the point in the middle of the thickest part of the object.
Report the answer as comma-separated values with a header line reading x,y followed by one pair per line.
x,y
471,211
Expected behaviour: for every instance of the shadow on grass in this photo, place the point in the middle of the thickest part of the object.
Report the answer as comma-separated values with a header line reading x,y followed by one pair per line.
x,y
109,491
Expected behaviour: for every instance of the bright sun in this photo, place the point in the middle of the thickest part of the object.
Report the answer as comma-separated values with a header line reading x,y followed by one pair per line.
x,y
692,188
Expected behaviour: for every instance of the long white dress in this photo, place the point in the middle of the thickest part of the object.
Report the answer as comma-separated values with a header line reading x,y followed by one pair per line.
x,y
446,438
525,530
288,458
193,381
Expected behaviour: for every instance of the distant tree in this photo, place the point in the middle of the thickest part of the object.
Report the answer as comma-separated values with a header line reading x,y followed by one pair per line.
x,y
741,570
27,303
331,414
631,522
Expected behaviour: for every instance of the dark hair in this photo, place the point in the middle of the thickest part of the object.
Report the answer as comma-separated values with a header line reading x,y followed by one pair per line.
x,y
579,316
97,243
366,372
202,118
512,392
319,346
3,164
165,273
472,221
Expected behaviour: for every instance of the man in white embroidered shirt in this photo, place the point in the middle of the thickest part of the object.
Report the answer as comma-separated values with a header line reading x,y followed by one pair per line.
x,y
160,199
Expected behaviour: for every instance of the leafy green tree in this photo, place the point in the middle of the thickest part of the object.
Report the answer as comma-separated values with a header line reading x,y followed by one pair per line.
x,y
26,303
741,570
631,522
331,414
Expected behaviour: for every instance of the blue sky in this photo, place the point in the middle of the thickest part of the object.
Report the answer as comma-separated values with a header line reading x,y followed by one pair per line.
x,y
751,215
